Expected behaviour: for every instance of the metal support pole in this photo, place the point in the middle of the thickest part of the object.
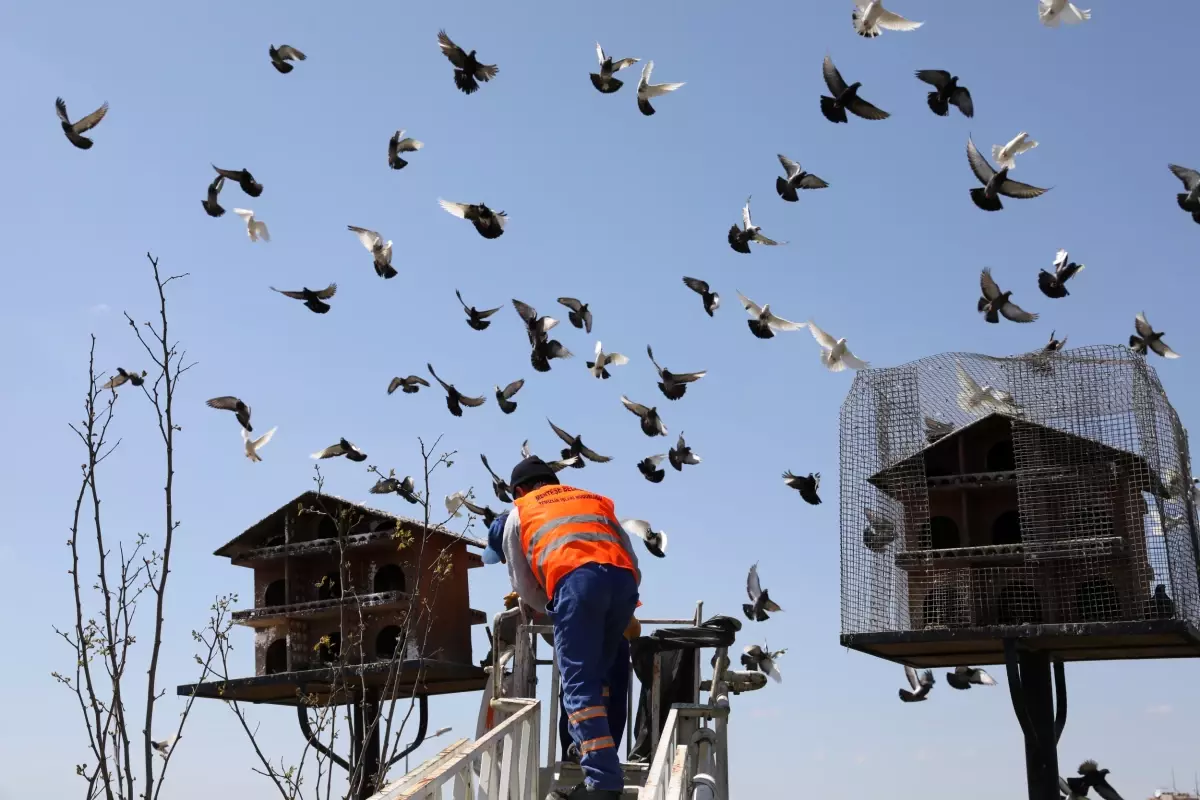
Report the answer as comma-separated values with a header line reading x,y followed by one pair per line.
x,y
1029,684
366,726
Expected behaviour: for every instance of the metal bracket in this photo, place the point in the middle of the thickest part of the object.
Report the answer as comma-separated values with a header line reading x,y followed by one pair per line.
x,y
1041,712
306,729
422,727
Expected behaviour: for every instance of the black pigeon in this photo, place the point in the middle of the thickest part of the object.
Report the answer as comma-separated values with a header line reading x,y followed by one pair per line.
x,y
673,385
487,514
390,485
845,98
342,448
1189,201
1161,604
648,466
948,92
1096,778
579,315
467,70
740,238
796,178
543,351
995,303
1053,285
211,206
806,486
879,532
576,447
995,183
655,541
681,454
760,603
410,385
398,144
312,299
499,485
504,396
1147,337
230,403
475,318
536,328
965,677
125,376
1054,345
280,56
455,400
73,130
652,424
242,178
921,684
762,660
490,224
604,82
712,300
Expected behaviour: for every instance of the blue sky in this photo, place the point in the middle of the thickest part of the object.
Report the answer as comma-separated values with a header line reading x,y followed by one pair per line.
x,y
605,205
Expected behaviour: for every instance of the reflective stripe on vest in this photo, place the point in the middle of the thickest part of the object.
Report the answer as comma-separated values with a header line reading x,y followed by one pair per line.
x,y
539,562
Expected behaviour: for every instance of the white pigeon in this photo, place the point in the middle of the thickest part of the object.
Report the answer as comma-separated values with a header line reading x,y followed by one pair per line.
x,y
165,747
454,503
870,16
254,445
646,90
256,228
976,399
656,541
763,322
1051,12
1004,155
835,355
602,360
382,253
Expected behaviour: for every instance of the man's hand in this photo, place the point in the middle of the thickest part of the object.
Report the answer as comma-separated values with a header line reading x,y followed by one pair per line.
x,y
510,600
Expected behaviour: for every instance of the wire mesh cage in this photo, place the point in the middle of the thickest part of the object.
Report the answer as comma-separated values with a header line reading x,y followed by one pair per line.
x,y
1043,494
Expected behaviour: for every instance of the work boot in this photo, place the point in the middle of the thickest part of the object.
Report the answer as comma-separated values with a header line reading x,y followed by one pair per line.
x,y
582,792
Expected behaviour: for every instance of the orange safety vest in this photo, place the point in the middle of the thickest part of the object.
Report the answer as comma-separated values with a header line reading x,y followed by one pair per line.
x,y
563,528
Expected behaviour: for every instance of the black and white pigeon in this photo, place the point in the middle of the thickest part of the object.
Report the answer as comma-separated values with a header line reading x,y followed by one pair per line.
x,y
740,238
242,178
576,447
381,252
486,514
280,56
966,677
995,303
845,97
681,454
543,348
763,660
763,323
1096,778
504,396
921,685
1147,337
1053,285
467,69
342,448
650,470
995,183
490,224
600,362
124,376
760,602
455,399
656,541
74,130
712,300
673,385
211,206
1189,200
313,299
231,403
1161,604
399,143
579,315
392,485
604,81
946,92
652,424
647,90
410,385
795,178
499,485
1054,345
475,318
879,532
806,485
869,17
165,747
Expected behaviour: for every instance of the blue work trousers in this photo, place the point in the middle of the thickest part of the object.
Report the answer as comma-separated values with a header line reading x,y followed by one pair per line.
x,y
616,696
591,608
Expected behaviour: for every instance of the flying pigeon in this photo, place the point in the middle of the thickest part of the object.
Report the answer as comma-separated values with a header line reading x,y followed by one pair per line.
x,y
560,465
652,424
673,385
1190,200
740,238
125,376
1054,345
504,396
995,183
1005,156
995,303
545,350
795,178
656,541
579,315
242,178
410,385
211,206
870,16
947,92
283,54
1096,778
74,130
835,354
604,82
254,445
490,224
1147,337
475,318
1161,604
756,658
964,677
681,454
398,144
229,403
454,503
760,603
806,486
487,514
342,448
976,399
712,300
391,485
646,90
255,228
165,747
576,447
380,252
536,327
1054,284
312,298
763,323
455,400
879,531
1051,12
920,685
602,360
467,70
650,470
499,485
845,98
1072,788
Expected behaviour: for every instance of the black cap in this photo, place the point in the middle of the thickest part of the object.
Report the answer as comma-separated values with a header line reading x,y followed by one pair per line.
x,y
531,469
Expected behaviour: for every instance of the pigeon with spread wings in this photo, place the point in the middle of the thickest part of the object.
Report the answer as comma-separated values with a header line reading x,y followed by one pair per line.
x,y
313,299
211,206
242,178
762,660
455,399
1053,285
650,470
1147,337
490,224
410,385
845,97
740,238
795,178
647,90
806,485
504,396
475,318
995,303
1189,200
651,423
499,485
966,677
711,300
995,183
656,541
673,385
254,445
399,143
381,252
124,376
576,447
1004,155
681,454
599,366
230,403
280,56
255,228
921,685
760,602
946,92
1052,12
763,323
835,354
74,130
604,81
579,314
870,17
467,69
342,448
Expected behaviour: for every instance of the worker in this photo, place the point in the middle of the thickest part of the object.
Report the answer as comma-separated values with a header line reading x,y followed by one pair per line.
x,y
569,557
